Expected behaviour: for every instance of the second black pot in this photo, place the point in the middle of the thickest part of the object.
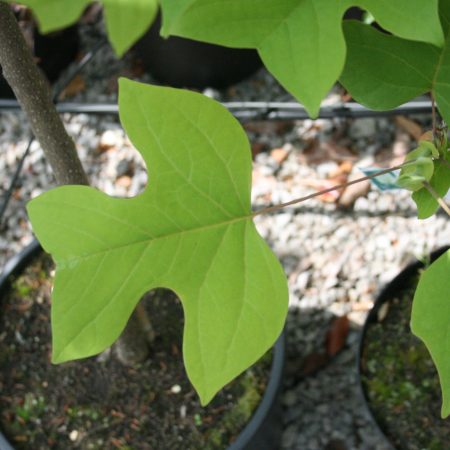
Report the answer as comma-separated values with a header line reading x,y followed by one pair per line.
x,y
181,62
386,306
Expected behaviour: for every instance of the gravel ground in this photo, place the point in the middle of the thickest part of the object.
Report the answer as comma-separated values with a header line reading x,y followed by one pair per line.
x,y
336,258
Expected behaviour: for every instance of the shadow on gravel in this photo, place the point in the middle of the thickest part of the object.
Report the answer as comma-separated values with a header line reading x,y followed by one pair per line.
x,y
323,409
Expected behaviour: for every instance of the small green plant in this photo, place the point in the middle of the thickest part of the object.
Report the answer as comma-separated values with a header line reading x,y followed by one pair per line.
x,y
33,406
23,288
192,230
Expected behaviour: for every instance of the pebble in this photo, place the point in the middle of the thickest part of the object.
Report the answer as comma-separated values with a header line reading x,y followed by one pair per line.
x,y
107,140
73,435
363,128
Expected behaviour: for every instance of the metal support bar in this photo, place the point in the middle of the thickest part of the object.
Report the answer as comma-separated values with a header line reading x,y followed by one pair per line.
x,y
246,111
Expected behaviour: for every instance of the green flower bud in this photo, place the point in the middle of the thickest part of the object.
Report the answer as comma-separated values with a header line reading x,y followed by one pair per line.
x,y
415,174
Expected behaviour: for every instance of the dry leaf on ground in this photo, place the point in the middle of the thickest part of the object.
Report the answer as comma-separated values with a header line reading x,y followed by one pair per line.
x,y
76,86
337,335
410,126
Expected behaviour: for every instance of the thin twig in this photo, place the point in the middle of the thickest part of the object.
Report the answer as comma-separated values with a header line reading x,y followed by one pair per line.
x,y
334,188
437,197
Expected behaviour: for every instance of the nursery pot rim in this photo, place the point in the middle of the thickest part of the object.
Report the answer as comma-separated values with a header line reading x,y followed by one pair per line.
x,y
20,260
383,296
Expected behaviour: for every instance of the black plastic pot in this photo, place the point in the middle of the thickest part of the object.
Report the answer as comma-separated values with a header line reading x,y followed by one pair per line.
x,y
263,431
185,63
398,284
53,52
181,62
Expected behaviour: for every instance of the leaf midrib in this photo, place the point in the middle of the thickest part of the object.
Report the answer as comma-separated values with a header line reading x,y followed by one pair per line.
x,y
161,237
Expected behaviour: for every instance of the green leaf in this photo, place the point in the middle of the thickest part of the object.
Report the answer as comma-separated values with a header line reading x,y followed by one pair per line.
x,y
300,41
413,176
53,15
126,21
191,231
440,182
415,20
431,320
421,167
126,24
383,71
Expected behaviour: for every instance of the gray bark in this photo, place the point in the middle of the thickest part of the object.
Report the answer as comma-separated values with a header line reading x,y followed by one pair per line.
x,y
34,95
132,347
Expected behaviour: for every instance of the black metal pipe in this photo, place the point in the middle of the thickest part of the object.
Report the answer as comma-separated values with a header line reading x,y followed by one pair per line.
x,y
256,110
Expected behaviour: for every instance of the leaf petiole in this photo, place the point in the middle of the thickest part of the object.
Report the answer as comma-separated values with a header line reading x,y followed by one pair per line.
x,y
334,188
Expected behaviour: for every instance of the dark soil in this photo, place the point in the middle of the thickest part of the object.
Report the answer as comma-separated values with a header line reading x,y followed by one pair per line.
x,y
401,381
98,403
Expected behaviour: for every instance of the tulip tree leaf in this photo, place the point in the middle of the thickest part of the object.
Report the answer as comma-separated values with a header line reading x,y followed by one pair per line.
x,y
385,71
191,231
430,320
300,41
126,21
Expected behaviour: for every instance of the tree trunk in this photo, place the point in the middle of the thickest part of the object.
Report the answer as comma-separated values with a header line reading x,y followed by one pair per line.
x,y
34,95
138,329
